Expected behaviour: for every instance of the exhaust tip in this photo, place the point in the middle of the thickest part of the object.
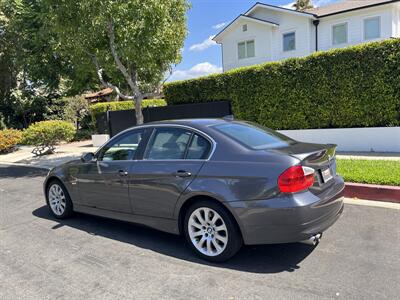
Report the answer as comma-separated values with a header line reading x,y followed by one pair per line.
x,y
314,240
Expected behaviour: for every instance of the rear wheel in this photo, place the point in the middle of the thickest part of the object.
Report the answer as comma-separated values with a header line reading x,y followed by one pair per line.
x,y
58,200
211,231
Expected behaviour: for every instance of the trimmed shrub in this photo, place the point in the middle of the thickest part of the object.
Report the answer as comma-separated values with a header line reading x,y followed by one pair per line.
x,y
353,87
83,134
9,138
99,108
48,133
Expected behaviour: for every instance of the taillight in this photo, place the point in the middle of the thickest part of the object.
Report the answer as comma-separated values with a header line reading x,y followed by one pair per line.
x,y
296,179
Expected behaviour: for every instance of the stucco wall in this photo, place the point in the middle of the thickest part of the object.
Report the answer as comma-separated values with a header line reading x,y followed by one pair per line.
x,y
378,139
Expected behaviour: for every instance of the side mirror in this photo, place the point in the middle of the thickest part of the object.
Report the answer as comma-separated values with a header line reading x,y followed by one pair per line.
x,y
87,157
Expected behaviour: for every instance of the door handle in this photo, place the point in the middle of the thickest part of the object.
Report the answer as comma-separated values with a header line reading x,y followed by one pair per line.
x,y
182,173
122,173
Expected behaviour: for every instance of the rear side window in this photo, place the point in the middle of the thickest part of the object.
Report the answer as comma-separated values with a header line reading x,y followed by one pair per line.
x,y
198,148
254,136
168,143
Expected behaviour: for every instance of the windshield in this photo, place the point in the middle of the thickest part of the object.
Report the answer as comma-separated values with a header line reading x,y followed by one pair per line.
x,y
254,136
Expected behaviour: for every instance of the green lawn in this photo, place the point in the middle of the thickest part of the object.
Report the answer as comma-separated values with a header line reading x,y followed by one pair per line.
x,y
384,172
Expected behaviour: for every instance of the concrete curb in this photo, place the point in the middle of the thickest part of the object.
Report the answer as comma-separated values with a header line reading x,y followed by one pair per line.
x,y
372,192
363,202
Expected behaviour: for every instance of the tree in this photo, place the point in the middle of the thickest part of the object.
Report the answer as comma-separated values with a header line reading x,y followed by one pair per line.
x,y
129,44
302,5
71,109
32,70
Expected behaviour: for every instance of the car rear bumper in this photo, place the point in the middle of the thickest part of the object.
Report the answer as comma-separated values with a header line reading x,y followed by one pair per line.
x,y
289,218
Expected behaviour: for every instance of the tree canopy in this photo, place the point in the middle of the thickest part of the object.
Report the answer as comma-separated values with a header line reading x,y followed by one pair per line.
x,y
56,48
302,5
32,71
130,44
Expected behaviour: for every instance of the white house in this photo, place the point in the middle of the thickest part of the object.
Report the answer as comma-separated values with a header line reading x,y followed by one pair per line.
x,y
271,33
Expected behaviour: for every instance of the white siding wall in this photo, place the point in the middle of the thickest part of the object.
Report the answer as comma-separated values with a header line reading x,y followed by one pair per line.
x,y
396,20
268,39
260,33
355,25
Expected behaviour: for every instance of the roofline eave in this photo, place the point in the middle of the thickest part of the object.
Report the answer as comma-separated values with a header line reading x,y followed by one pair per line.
x,y
283,9
252,19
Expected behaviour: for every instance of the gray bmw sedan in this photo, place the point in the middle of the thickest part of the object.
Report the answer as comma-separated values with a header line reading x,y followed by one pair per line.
x,y
220,183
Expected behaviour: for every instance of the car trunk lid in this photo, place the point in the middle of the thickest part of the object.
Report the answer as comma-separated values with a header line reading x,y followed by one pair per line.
x,y
320,157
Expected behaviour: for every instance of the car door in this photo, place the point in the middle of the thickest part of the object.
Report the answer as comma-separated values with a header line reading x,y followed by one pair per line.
x,y
172,159
103,183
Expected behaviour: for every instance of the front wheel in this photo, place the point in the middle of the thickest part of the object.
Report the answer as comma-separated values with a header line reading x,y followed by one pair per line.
x,y
58,200
211,231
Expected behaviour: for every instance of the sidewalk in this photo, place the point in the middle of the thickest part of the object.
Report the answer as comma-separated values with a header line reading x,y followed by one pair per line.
x,y
63,153
369,155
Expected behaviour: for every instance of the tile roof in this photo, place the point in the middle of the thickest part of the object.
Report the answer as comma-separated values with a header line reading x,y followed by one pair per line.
x,y
104,92
345,5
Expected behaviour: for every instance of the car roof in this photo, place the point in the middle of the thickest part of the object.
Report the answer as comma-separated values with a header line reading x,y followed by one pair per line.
x,y
202,123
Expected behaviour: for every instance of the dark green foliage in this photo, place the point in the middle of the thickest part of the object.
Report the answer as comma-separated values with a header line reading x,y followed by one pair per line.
x,y
83,134
354,87
99,108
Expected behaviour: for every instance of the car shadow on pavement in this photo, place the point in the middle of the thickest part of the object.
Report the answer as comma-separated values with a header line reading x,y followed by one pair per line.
x,y
13,171
255,259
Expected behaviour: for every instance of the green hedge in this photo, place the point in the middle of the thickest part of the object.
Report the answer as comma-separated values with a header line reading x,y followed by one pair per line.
x,y
353,87
9,138
48,133
99,108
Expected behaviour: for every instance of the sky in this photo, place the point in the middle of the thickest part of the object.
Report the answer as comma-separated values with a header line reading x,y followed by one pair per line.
x,y
202,56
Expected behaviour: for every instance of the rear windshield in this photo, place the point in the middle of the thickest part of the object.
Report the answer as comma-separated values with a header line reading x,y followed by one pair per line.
x,y
254,136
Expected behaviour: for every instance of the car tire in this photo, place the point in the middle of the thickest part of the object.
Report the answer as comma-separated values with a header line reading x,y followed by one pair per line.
x,y
58,200
211,231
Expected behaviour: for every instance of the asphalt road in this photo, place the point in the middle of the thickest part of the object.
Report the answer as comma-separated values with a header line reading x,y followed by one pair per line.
x,y
93,258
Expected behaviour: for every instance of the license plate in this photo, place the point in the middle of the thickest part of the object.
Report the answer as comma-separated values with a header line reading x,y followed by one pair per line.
x,y
327,175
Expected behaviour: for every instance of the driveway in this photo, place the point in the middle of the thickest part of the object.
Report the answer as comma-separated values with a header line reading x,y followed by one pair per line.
x,y
93,258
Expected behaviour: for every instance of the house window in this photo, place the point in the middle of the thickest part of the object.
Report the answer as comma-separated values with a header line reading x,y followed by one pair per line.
x,y
372,28
339,34
246,49
289,41
244,27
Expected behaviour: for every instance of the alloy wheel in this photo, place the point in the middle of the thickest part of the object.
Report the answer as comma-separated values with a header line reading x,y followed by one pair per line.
x,y
208,231
57,199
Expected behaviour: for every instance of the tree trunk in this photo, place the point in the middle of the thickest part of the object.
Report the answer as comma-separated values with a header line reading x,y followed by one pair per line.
x,y
24,120
138,110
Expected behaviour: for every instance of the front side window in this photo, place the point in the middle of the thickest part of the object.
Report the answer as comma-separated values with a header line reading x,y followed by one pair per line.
x,y
246,49
339,34
372,28
168,143
254,136
123,148
289,41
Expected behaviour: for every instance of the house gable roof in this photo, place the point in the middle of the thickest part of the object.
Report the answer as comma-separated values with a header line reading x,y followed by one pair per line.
x,y
239,18
281,9
313,13
346,6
